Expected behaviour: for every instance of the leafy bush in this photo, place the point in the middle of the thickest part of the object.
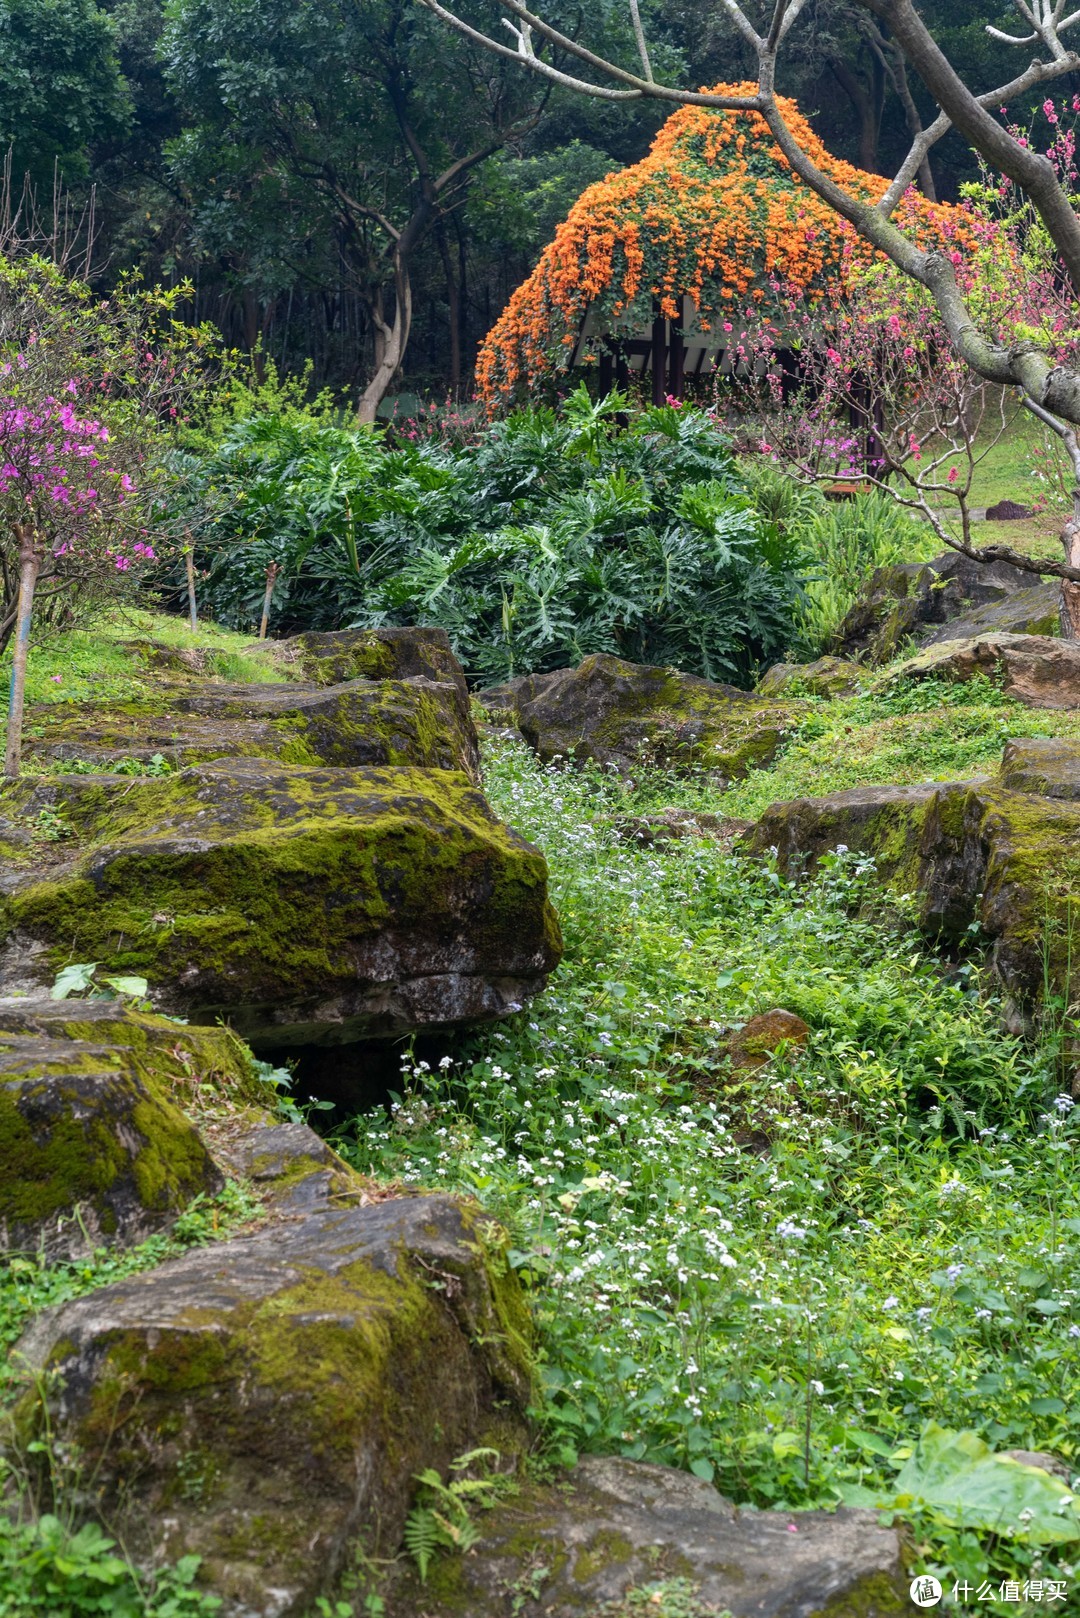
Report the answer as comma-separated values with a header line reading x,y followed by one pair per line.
x,y
844,542
552,537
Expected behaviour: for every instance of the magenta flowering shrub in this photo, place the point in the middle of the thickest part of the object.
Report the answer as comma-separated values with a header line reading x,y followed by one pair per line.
x,y
64,485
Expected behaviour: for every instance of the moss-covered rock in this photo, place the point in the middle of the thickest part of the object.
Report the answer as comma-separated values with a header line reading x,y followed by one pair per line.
x,y
825,677
1034,669
92,1149
372,654
301,904
628,714
974,852
266,1401
418,721
572,1550
1032,611
1045,765
919,601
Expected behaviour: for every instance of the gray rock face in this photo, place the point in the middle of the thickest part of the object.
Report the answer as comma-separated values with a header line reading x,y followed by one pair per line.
x,y
621,1524
302,905
625,715
1033,611
919,601
417,721
266,1401
89,1154
1034,669
1044,765
1003,852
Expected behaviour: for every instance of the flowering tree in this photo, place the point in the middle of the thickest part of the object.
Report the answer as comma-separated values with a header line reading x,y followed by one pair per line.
x,y
880,395
714,211
1047,382
90,394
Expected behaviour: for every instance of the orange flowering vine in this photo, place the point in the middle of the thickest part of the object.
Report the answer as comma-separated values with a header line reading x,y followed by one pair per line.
x,y
714,211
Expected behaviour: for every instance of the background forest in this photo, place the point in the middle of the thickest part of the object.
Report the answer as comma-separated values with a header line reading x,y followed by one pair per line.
x,y
353,189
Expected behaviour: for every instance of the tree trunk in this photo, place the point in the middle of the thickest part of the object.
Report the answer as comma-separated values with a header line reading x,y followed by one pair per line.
x,y
29,563
453,302
1069,608
389,347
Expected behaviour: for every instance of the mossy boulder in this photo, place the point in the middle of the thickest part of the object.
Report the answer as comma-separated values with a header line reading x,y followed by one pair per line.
x,y
92,1148
626,715
974,853
266,1402
825,677
1045,765
1034,669
573,1550
1035,610
302,905
372,654
416,721
916,601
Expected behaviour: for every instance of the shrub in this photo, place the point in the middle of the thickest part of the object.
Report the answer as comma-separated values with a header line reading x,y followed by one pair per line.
x,y
550,538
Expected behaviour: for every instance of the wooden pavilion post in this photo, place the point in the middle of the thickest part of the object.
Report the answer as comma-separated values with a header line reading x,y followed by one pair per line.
x,y
659,358
677,361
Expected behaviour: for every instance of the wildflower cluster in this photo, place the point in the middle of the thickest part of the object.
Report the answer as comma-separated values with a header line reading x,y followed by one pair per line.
x,y
713,211
776,1279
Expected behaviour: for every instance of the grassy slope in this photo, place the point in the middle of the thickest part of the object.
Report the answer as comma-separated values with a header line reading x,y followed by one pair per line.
x,y
101,660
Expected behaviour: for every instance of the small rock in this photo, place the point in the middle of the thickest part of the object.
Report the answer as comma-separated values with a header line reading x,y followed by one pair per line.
x,y
90,1153
825,677
676,826
761,1037
1047,766
1007,511
1039,1458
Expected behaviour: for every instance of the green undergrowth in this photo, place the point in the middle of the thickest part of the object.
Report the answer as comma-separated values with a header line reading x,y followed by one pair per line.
x,y
786,1281
107,658
930,730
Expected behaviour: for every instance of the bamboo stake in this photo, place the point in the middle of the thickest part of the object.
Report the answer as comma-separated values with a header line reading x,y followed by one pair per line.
x,y
28,572
271,575
189,560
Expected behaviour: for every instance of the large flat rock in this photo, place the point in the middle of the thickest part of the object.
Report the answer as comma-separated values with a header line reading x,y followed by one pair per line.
x,y
392,653
265,1403
569,1551
625,715
302,905
415,721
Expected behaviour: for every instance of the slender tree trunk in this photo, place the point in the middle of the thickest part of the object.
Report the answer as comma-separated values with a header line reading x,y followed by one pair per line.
x,y
1069,609
390,350
453,301
271,576
29,562
189,560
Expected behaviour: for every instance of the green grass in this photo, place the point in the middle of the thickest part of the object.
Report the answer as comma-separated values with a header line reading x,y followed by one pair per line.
x,y
784,1322
96,663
